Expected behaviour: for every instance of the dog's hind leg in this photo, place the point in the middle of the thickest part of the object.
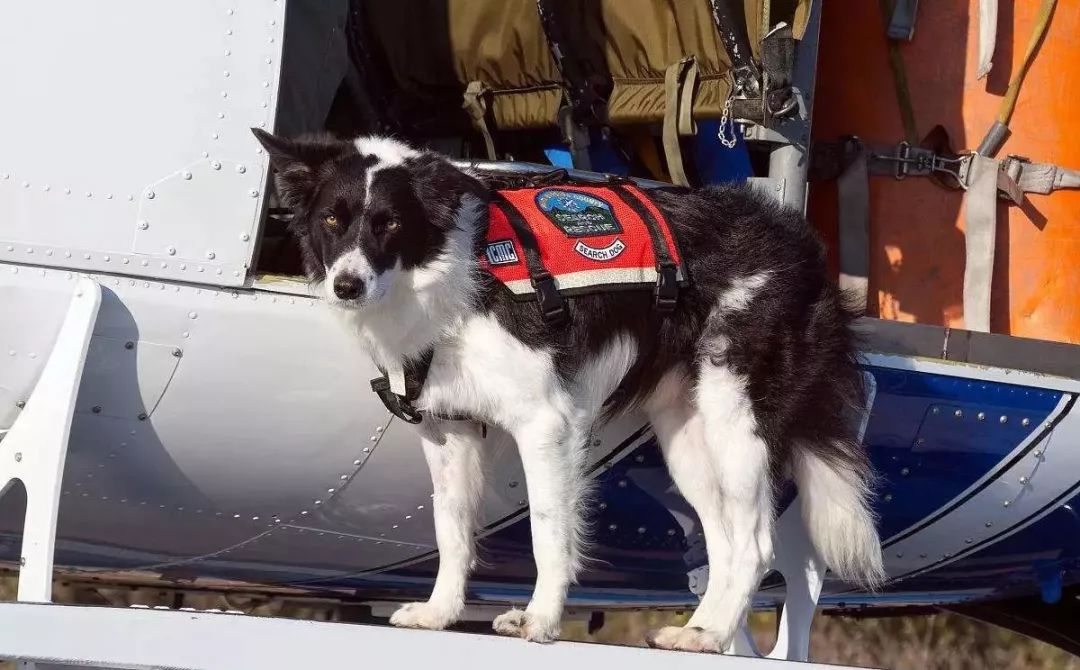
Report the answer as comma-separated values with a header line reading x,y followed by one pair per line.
x,y
552,448
720,465
454,453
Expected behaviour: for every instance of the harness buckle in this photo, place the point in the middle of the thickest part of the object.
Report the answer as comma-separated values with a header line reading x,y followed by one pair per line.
x,y
666,292
552,305
399,406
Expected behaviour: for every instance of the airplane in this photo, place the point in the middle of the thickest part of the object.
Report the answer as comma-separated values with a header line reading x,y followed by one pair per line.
x,y
224,432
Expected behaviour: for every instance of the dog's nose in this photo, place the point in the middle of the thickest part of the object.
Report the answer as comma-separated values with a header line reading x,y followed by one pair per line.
x,y
348,287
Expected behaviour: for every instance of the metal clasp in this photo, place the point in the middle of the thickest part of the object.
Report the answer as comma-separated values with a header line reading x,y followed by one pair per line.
x,y
916,161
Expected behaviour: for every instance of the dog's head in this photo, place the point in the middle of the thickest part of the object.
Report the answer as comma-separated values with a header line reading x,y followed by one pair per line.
x,y
365,212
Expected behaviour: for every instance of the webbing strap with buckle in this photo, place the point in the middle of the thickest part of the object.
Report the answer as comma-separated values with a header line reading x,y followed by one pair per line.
x,y
666,292
400,400
984,180
399,395
551,303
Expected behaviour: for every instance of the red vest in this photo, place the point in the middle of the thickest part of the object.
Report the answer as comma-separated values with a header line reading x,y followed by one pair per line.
x,y
585,238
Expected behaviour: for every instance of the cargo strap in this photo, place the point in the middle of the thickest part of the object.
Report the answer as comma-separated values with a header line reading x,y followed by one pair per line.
x,y
984,180
744,71
902,21
476,104
576,138
679,81
988,17
587,94
899,76
853,186
586,103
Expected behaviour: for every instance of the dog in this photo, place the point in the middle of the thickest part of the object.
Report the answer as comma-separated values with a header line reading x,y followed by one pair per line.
x,y
751,380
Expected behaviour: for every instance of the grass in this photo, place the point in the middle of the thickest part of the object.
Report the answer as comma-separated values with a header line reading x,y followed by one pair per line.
x,y
933,642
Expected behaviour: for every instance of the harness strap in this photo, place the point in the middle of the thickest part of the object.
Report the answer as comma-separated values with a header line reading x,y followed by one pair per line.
x,y
551,303
400,395
666,293
402,402
475,103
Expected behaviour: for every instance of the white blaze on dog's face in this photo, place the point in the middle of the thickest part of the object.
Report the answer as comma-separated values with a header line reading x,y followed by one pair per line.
x,y
365,212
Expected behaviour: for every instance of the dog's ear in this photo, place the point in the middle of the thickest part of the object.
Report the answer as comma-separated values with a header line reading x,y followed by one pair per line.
x,y
440,187
296,163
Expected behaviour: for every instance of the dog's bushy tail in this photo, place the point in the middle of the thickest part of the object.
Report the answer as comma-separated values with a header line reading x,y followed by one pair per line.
x,y
836,509
829,463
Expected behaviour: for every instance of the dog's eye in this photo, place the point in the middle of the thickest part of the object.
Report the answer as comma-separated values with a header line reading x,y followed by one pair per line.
x,y
392,225
330,220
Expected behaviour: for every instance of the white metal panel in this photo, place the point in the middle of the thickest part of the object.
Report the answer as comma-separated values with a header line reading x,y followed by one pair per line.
x,y
171,639
128,149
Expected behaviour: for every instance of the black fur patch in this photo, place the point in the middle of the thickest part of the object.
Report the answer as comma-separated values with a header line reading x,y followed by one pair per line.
x,y
402,217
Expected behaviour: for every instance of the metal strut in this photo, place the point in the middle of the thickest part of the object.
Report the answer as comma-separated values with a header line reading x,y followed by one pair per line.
x,y
35,449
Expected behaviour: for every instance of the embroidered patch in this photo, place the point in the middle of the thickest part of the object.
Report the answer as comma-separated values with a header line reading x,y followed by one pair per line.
x,y
501,252
578,214
606,254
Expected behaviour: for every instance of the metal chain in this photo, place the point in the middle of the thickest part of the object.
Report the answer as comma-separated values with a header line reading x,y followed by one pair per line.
x,y
725,120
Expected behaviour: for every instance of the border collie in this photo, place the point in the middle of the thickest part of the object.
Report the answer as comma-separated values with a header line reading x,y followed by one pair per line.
x,y
750,381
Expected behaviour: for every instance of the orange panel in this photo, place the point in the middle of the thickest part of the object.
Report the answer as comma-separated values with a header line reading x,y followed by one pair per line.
x,y
916,237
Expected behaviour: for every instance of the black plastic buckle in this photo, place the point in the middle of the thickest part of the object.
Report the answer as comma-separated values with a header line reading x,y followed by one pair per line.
x,y
399,406
552,305
667,288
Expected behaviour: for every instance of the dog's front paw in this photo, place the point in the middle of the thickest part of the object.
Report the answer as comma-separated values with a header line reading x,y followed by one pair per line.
x,y
423,615
526,625
688,638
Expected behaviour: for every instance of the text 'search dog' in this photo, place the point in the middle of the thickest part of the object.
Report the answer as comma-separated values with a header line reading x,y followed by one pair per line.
x,y
544,310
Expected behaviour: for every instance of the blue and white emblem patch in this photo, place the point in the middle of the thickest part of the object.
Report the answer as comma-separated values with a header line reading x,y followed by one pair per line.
x,y
501,252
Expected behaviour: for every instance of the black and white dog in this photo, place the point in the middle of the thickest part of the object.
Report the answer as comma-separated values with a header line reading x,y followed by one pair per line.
x,y
750,381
